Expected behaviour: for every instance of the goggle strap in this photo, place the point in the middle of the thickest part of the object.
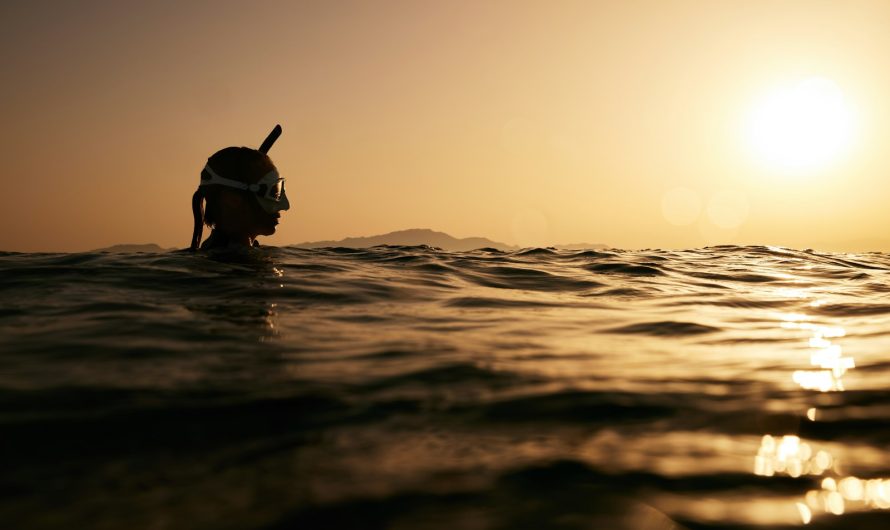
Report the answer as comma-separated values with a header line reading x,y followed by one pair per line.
x,y
216,179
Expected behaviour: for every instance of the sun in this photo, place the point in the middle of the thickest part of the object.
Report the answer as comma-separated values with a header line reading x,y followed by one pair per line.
x,y
801,128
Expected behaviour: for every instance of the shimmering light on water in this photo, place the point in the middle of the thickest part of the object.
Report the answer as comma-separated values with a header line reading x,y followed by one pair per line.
x,y
789,456
850,493
793,457
407,387
828,356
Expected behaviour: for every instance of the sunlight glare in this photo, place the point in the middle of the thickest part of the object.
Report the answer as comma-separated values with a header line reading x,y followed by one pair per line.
x,y
801,128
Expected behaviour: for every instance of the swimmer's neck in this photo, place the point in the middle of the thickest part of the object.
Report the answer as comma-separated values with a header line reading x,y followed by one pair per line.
x,y
222,238
235,236
240,240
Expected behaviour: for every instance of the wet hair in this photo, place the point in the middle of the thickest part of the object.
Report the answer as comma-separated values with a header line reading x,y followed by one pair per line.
x,y
237,163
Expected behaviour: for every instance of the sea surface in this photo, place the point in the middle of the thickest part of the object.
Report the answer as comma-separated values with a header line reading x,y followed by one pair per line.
x,y
413,388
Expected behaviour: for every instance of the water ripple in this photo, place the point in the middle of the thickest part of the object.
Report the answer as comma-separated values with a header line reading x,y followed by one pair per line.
x,y
410,387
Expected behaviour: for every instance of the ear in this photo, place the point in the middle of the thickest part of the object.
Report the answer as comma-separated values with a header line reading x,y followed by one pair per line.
x,y
229,199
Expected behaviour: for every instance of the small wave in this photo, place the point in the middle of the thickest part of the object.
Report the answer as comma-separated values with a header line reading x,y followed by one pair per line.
x,y
738,303
517,272
495,303
345,250
537,252
405,248
875,287
594,254
327,295
564,493
449,375
667,328
623,292
504,277
746,277
434,267
625,268
577,406
489,250
846,310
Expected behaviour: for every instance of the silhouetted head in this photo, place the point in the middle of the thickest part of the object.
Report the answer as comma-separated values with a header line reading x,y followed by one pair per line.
x,y
244,196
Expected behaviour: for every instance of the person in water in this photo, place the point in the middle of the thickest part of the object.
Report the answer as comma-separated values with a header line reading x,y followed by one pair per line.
x,y
244,197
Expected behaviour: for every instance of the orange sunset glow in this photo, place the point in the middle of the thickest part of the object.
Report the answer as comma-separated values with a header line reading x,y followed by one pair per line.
x,y
445,264
632,124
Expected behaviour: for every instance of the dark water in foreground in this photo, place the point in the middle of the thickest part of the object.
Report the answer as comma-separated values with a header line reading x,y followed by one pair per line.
x,y
411,388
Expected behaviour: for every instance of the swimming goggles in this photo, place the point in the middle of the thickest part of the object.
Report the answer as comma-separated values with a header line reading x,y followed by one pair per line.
x,y
269,190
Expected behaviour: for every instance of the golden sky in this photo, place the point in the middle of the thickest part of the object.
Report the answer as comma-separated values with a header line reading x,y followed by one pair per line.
x,y
527,122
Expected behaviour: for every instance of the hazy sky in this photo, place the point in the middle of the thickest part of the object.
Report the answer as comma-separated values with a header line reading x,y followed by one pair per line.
x,y
527,122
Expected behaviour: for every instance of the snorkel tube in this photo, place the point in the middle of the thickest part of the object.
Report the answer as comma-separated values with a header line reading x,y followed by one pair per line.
x,y
267,143
198,196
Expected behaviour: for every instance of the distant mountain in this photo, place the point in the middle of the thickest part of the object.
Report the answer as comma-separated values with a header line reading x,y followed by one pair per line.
x,y
415,236
125,249
423,236
412,237
582,246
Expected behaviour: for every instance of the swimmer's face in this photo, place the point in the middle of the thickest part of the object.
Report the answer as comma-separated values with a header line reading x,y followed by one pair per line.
x,y
262,222
241,215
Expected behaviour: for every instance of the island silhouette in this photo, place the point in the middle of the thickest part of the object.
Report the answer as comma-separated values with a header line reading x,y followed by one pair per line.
x,y
413,237
409,237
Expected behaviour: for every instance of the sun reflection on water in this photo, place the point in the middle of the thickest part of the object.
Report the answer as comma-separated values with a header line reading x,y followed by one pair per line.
x,y
789,455
837,496
828,357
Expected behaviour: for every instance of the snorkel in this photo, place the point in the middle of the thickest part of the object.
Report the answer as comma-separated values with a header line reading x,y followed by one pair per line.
x,y
268,190
267,143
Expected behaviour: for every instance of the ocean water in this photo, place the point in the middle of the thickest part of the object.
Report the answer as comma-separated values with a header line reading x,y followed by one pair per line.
x,y
413,388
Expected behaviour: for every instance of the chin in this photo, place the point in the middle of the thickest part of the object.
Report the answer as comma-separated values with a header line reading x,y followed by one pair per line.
x,y
265,225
